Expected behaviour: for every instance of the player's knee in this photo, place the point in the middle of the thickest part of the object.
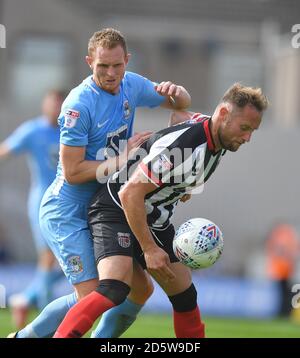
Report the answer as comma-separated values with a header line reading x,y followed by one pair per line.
x,y
114,290
142,293
147,290
185,301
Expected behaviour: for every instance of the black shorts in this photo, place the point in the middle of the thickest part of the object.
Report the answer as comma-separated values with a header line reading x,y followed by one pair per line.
x,y
112,235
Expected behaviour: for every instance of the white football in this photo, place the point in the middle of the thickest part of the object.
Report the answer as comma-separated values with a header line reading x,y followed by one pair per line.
x,y
198,243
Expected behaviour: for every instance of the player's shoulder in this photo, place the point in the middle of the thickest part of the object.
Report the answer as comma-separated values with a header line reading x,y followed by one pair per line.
x,y
80,98
191,131
198,117
82,95
31,125
132,78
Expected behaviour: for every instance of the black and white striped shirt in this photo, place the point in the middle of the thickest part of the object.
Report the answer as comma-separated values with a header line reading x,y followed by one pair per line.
x,y
178,160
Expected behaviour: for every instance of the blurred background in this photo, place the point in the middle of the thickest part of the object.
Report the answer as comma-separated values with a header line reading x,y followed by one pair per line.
x,y
206,46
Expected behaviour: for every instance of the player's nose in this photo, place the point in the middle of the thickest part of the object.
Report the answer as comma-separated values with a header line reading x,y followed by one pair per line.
x,y
246,137
111,71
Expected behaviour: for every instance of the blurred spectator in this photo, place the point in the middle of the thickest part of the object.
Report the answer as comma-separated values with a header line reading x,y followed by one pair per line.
x,y
39,139
282,249
4,256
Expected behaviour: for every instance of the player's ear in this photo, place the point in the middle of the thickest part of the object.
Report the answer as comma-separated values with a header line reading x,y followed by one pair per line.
x,y
223,111
89,61
127,57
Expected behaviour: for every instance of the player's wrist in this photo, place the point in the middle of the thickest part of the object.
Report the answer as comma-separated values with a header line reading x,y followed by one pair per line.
x,y
149,247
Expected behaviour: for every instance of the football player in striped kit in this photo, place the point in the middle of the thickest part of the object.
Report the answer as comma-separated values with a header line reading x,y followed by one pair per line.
x,y
130,216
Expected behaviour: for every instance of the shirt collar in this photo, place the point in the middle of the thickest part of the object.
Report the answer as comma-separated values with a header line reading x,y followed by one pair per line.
x,y
210,142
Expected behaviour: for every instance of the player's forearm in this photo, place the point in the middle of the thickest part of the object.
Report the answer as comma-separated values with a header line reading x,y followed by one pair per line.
x,y
179,117
90,170
135,212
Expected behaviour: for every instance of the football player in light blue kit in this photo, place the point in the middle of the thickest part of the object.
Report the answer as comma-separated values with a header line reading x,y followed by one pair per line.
x,y
96,116
39,139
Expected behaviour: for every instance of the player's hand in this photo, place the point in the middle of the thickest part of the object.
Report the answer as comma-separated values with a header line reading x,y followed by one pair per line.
x,y
135,142
185,197
158,263
169,89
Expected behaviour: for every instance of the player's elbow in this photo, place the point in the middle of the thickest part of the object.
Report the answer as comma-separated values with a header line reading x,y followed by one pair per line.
x,y
129,194
124,196
69,176
70,179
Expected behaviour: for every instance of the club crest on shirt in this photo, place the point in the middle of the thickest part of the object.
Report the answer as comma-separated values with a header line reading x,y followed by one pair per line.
x,y
124,239
127,110
75,264
71,117
162,164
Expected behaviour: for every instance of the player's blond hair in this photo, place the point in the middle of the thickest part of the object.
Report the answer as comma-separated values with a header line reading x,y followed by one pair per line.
x,y
107,38
241,96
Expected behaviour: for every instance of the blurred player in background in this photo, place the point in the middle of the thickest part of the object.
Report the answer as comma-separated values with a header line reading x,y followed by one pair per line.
x,y
38,138
130,217
96,116
282,249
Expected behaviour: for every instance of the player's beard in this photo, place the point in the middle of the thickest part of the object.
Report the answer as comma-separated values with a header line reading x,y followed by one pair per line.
x,y
226,144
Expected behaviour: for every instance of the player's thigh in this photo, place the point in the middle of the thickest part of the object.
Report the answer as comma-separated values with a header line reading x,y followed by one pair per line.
x,y
117,267
113,248
182,281
69,238
33,206
141,286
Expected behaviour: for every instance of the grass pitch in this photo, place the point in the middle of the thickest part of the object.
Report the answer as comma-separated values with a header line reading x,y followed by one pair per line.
x,y
161,326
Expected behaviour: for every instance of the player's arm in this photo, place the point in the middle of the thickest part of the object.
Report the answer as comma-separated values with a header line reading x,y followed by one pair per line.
x,y
77,170
132,197
177,117
177,97
18,141
5,151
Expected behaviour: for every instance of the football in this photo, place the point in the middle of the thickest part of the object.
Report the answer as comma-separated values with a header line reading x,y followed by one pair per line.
x,y
198,243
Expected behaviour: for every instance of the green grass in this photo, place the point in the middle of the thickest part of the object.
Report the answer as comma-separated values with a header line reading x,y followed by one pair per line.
x,y
160,326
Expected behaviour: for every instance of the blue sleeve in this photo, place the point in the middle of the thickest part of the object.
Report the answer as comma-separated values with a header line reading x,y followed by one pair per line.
x,y
74,123
146,94
20,140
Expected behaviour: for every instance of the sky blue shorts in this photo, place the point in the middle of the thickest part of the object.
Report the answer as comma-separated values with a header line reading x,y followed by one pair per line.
x,y
64,225
33,206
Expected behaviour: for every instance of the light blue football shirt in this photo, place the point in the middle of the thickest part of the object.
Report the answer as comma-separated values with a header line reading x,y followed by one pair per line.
x,y
40,141
98,120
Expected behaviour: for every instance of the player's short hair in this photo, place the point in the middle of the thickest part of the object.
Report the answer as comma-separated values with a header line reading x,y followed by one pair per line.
x,y
241,96
107,38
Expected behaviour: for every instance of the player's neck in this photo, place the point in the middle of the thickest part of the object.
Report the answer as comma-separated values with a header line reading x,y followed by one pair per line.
x,y
214,125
